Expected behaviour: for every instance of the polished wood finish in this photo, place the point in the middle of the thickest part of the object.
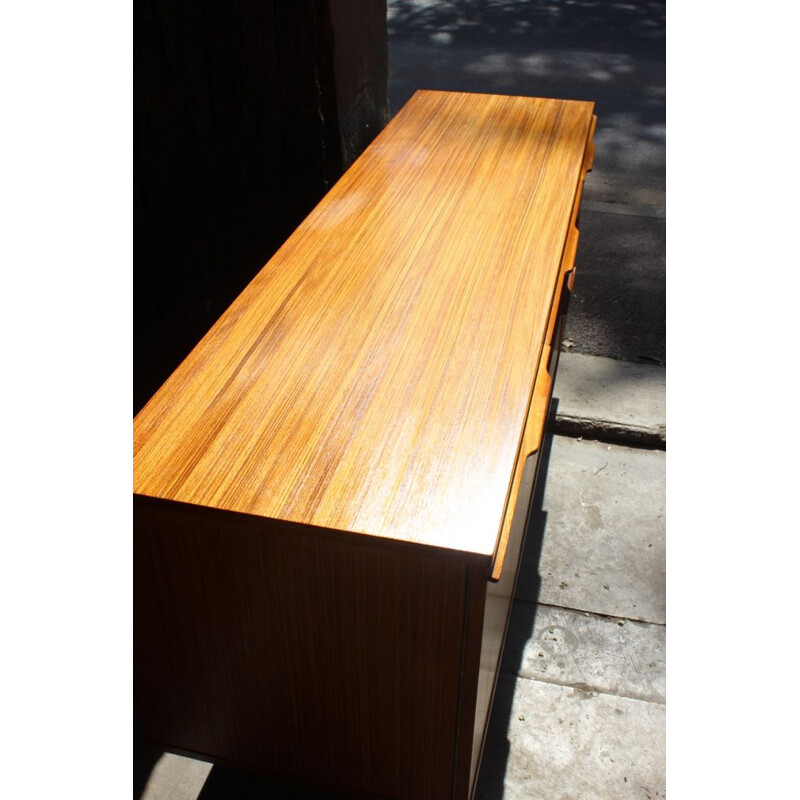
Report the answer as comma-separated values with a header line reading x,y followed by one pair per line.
x,y
253,638
372,347
331,490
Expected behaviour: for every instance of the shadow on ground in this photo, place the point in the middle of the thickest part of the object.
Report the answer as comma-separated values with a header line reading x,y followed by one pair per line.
x,y
491,778
613,53
145,758
618,307
229,784
637,27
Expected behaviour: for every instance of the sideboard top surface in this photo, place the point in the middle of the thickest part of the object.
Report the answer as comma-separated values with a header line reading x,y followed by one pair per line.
x,y
374,377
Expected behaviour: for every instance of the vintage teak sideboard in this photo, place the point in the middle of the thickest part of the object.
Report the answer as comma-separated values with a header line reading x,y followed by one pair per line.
x,y
331,491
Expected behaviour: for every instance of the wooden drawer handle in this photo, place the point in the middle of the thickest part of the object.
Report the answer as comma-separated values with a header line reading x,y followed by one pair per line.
x,y
557,334
590,149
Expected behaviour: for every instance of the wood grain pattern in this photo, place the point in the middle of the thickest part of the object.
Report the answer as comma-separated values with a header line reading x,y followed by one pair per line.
x,y
375,377
321,659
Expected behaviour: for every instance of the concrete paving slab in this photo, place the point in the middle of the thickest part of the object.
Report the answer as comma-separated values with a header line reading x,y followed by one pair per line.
x,y
176,778
603,546
587,651
561,743
604,398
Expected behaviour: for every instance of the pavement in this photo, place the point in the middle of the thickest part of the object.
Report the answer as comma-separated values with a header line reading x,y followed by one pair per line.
x,y
580,707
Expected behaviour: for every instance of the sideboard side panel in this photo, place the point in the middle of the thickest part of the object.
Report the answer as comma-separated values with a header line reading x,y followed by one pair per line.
x,y
296,654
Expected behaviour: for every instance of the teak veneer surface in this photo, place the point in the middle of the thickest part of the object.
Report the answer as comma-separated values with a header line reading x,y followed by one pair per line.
x,y
375,377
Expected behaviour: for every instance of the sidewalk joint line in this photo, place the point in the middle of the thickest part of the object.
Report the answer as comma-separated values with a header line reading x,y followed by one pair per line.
x,y
583,687
611,617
